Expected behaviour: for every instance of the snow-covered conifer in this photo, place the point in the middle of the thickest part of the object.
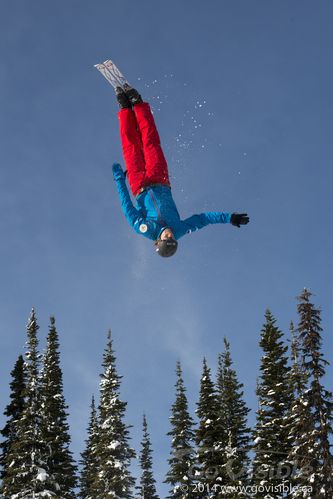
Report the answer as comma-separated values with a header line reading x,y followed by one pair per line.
x,y
210,435
55,428
271,443
301,424
13,413
27,475
181,463
89,457
312,410
147,487
114,452
233,414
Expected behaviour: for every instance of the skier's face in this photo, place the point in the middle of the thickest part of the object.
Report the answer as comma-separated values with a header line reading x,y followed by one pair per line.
x,y
167,234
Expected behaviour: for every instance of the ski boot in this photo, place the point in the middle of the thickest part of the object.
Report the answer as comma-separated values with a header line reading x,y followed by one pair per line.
x,y
123,100
133,95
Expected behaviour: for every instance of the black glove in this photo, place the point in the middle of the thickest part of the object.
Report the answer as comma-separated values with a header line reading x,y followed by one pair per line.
x,y
239,219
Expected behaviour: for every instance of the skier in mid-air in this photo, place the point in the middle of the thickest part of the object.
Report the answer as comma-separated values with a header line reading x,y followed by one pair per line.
x,y
155,215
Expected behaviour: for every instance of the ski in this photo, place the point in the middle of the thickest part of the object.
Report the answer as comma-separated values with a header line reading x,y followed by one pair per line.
x,y
113,75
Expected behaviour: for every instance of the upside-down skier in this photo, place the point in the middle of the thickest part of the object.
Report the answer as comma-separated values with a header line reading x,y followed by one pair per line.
x,y
155,215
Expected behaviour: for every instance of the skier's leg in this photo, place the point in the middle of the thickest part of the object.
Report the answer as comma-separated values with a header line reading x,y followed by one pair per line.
x,y
132,149
156,165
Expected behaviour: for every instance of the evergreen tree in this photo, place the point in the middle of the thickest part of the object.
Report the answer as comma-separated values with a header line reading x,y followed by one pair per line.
x,y
210,436
233,419
13,412
301,423
181,463
271,443
311,452
26,475
147,488
89,458
114,453
55,428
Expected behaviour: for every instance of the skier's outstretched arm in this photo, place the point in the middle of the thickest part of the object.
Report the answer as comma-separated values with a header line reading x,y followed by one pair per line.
x,y
131,213
196,222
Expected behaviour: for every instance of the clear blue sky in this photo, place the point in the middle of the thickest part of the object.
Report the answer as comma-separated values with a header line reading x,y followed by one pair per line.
x,y
256,80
